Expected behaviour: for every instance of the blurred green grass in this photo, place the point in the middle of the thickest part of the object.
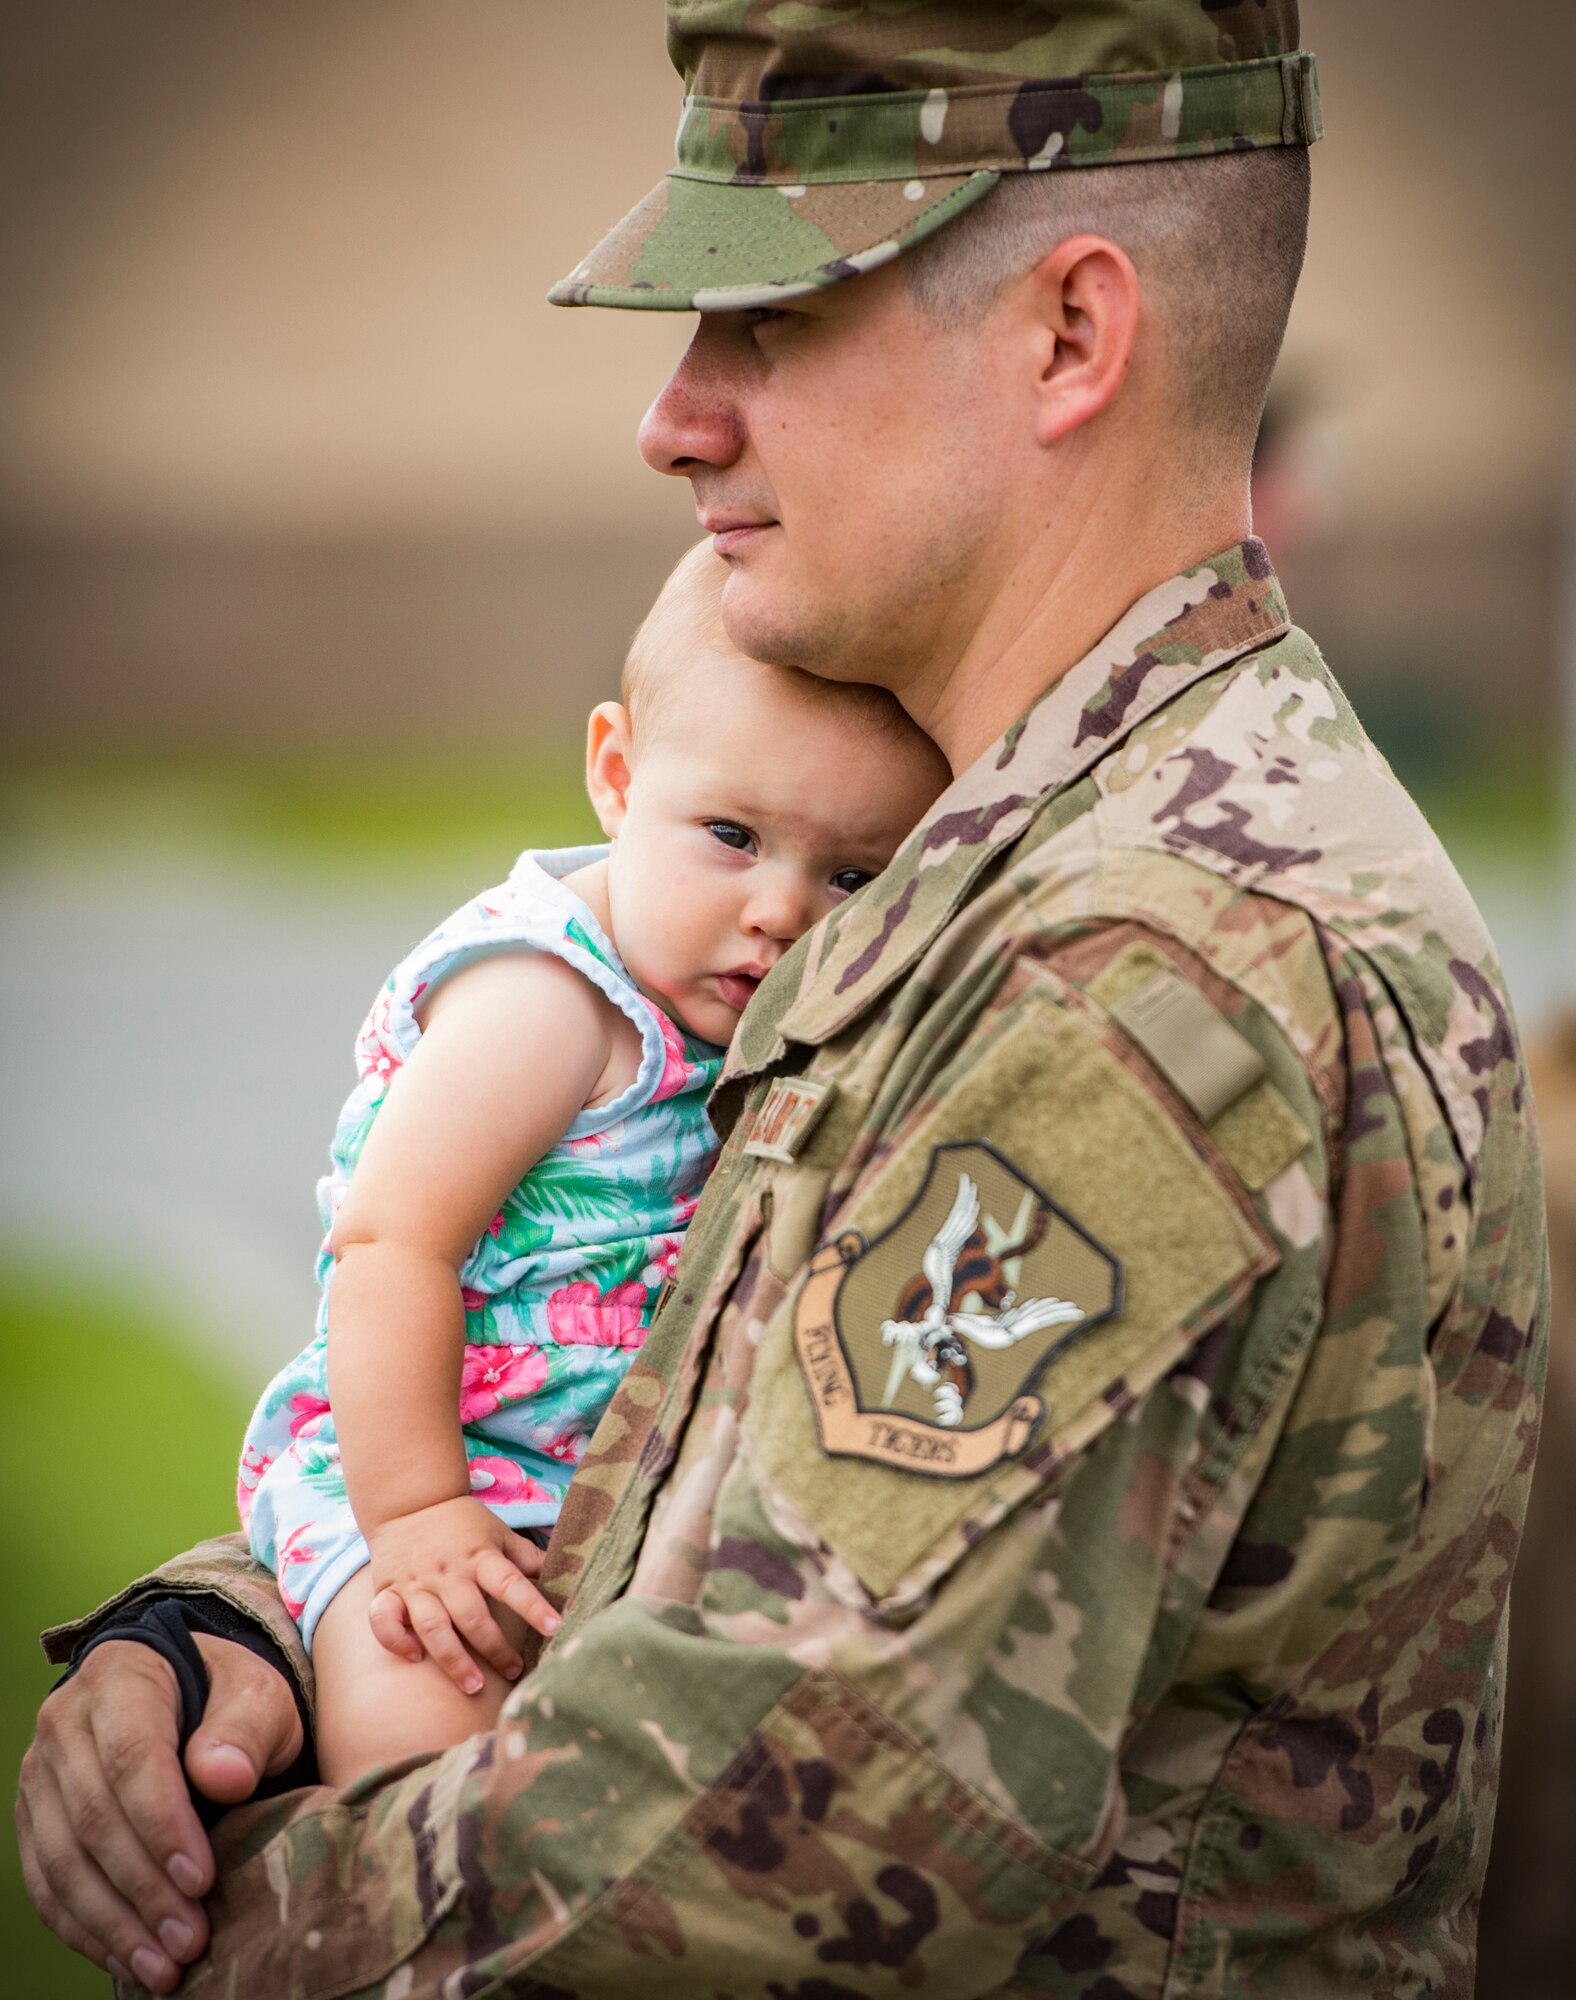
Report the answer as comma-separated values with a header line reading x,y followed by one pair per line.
x,y
438,809
446,809
120,1449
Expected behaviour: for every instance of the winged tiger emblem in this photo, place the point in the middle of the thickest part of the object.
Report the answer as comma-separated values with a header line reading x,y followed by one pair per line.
x,y
932,1345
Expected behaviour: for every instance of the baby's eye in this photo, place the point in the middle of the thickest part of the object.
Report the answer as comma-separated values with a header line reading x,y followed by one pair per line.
x,y
739,838
847,880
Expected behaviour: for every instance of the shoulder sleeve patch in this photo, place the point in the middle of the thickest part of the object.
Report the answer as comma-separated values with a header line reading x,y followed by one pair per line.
x,y
1083,1240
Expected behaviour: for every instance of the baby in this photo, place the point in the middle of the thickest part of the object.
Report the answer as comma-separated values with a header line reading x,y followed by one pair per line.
x,y
512,1177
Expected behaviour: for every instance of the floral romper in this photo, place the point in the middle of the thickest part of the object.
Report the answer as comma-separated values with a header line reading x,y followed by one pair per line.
x,y
559,1290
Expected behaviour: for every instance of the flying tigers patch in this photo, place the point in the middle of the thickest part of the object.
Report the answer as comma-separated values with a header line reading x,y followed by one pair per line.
x,y
921,1350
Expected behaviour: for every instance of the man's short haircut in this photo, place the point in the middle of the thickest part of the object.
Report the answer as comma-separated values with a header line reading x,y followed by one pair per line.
x,y
685,625
1217,242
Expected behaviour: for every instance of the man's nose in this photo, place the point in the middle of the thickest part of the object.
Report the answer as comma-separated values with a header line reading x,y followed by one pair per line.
x,y
695,421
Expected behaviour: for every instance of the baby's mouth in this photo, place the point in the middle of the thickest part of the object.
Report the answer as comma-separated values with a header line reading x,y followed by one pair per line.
x,y
738,988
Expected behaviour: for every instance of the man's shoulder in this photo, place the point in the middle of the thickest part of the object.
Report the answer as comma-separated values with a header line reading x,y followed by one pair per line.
x,y
1251,810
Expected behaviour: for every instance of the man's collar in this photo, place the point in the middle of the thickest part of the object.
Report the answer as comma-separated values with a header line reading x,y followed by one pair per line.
x,y
1186,628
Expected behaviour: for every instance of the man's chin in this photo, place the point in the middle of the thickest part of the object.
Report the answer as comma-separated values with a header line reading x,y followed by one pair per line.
x,y
768,618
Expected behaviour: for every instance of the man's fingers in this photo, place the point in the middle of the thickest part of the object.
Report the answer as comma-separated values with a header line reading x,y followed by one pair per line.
x,y
113,1852
77,1900
250,1728
144,1824
130,1812
501,1579
114,1834
435,1629
391,1627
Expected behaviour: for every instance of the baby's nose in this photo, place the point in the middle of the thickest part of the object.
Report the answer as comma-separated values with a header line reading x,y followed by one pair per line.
x,y
780,911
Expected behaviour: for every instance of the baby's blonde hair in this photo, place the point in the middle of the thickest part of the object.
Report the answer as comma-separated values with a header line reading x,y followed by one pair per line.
x,y
685,624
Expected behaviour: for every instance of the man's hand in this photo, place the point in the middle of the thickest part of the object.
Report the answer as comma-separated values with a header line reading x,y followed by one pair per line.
x,y
434,1571
113,1854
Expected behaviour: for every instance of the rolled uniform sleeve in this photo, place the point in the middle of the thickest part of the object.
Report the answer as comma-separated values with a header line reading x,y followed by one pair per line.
x,y
221,1568
858,1722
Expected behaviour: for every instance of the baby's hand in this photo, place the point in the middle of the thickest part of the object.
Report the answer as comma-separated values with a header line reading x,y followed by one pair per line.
x,y
433,1572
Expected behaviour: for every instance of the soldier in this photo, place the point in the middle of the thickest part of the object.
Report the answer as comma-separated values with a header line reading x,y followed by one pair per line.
x,y
1056,1537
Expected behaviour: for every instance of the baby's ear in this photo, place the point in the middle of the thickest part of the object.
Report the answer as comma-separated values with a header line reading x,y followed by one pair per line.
x,y
609,763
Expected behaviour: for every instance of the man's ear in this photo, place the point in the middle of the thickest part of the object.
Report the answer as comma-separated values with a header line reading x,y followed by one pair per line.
x,y
609,763
1085,299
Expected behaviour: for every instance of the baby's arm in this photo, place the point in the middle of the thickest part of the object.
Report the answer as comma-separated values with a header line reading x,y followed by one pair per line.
x,y
511,1051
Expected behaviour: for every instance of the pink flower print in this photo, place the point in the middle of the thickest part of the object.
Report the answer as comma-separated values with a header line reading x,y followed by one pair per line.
x,y
293,1553
580,1316
492,1376
684,1207
254,1464
473,1300
377,1056
309,1412
675,1070
499,1481
569,1448
586,1147
665,1255
495,1227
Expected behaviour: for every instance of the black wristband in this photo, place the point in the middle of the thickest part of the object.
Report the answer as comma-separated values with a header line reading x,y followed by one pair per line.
x,y
168,1625
159,1626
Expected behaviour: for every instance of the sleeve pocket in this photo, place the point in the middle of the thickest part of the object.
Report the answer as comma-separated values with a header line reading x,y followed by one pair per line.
x,y
898,1479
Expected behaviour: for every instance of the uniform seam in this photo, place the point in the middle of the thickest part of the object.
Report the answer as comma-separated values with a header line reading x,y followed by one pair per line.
x,y
1207,1846
1187,1958
1225,1452
1447,1099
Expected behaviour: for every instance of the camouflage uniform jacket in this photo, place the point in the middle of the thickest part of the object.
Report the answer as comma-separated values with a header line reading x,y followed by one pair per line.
x,y
1056,1538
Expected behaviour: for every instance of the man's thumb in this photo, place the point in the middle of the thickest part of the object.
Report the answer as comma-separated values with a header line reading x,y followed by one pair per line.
x,y
250,1728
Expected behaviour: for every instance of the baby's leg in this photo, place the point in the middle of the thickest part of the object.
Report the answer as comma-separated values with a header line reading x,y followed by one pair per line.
x,y
373,1708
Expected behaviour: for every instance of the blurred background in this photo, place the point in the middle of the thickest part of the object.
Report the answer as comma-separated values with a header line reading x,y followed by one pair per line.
x,y
320,531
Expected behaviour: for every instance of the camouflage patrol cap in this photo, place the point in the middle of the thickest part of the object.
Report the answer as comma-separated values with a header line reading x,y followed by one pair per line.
x,y
819,138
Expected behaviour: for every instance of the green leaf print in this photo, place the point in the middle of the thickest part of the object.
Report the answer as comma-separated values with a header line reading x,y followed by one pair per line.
x,y
577,933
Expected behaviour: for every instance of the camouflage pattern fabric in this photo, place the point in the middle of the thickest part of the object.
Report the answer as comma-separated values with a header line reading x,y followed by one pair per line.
x,y
819,140
1194,1685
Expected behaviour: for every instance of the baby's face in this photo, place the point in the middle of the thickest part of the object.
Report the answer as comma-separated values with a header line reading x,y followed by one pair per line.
x,y
752,810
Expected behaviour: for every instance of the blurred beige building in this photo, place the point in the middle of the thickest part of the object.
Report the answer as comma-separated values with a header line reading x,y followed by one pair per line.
x,y
290,440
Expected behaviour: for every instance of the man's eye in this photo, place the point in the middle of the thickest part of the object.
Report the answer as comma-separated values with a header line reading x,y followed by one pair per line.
x,y
738,838
847,880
